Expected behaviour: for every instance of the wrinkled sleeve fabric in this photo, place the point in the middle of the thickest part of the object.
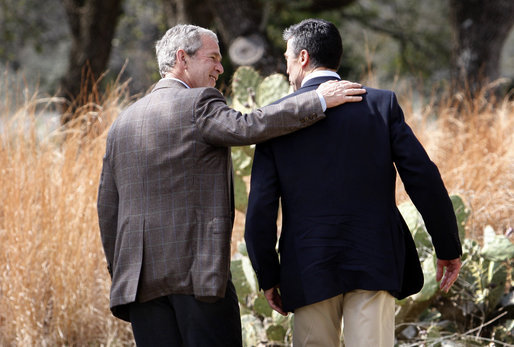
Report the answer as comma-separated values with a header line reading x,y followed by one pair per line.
x,y
220,125
261,218
424,185
107,207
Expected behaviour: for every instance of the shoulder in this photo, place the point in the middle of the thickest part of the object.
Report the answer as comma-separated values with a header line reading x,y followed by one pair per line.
x,y
374,92
380,93
206,92
206,97
379,96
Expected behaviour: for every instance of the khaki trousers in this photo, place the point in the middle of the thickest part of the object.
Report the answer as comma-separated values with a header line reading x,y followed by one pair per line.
x,y
368,320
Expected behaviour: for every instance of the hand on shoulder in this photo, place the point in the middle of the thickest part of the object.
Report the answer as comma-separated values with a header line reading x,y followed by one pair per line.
x,y
340,92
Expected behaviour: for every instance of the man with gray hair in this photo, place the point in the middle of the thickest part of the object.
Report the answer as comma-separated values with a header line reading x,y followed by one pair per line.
x,y
165,200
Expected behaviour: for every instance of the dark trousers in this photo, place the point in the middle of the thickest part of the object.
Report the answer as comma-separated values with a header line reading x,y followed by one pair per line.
x,y
181,320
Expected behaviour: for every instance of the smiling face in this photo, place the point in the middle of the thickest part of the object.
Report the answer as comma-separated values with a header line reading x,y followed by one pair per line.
x,y
203,68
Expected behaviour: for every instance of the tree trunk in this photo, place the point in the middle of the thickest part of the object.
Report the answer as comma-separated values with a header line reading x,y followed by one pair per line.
x,y
242,28
187,12
92,25
241,25
481,28
239,21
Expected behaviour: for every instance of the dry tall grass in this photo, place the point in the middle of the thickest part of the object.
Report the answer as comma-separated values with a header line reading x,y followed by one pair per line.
x,y
53,277
472,143
54,286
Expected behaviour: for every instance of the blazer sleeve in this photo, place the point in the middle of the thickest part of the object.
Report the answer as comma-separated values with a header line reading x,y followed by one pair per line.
x,y
261,218
107,207
220,125
424,185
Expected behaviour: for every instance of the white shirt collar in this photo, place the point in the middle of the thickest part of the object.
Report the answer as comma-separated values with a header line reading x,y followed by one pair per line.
x,y
176,79
320,73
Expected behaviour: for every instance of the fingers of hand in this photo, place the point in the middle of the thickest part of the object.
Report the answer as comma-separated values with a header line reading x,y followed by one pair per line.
x,y
355,91
448,280
445,285
352,98
350,85
351,89
439,273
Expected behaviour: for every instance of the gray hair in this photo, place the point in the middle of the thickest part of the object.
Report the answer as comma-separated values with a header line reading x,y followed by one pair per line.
x,y
182,36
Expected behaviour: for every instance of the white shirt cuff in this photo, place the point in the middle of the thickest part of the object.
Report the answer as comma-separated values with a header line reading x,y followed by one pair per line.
x,y
322,100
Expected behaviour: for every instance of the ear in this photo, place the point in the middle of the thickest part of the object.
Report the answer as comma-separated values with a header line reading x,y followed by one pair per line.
x,y
181,56
304,58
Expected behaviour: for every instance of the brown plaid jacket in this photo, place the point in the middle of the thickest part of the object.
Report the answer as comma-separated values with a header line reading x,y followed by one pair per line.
x,y
165,200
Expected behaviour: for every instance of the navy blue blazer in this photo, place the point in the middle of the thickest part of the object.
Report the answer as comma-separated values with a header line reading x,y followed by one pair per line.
x,y
341,229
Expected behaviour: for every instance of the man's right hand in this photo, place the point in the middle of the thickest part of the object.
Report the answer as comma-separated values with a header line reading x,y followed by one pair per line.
x,y
339,92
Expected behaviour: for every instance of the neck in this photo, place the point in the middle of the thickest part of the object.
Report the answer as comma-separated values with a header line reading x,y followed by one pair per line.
x,y
320,68
173,74
177,77
318,73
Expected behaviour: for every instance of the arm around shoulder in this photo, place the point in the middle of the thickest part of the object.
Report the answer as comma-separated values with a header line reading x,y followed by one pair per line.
x,y
223,126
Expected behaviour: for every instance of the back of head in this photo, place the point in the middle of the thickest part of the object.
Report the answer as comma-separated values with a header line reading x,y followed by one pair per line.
x,y
318,37
181,36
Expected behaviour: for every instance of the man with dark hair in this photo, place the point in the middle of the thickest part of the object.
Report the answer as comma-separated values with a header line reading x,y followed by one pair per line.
x,y
165,201
345,251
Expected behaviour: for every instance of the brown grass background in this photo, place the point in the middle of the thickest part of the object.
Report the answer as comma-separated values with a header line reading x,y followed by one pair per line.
x,y
54,286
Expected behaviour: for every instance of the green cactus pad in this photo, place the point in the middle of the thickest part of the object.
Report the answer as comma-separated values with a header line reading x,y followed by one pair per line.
x,y
276,333
462,213
271,89
261,306
244,86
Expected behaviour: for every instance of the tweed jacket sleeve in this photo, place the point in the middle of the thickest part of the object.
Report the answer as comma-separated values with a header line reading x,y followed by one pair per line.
x,y
220,125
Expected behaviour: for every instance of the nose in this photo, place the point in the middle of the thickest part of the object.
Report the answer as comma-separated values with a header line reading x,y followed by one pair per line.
x,y
219,68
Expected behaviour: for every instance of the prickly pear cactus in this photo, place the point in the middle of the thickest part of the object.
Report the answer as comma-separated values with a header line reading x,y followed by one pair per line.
x,y
271,89
276,333
245,82
417,228
242,158
431,286
462,213
250,91
261,306
252,330
260,323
